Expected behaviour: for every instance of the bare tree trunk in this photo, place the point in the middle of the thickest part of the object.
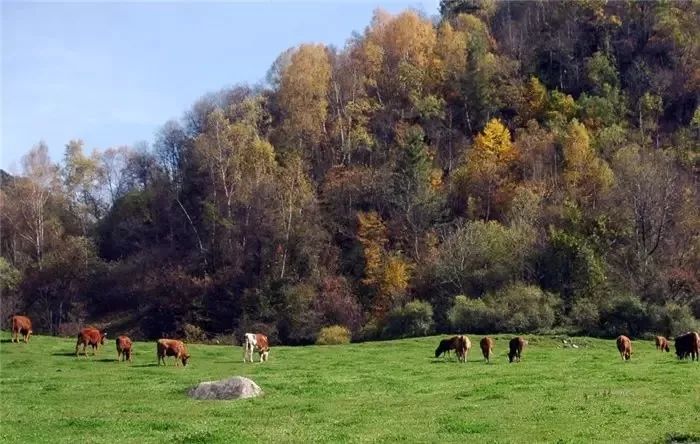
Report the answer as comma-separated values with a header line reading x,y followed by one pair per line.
x,y
286,237
194,228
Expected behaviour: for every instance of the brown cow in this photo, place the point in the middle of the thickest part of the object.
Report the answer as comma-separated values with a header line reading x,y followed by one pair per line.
x,y
255,341
624,346
172,347
662,343
92,337
462,348
688,344
486,348
446,345
516,346
21,325
123,348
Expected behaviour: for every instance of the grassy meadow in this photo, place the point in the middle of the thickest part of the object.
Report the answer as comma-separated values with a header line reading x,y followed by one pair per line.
x,y
372,392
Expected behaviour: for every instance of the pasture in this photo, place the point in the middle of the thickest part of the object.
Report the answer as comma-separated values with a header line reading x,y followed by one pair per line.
x,y
371,392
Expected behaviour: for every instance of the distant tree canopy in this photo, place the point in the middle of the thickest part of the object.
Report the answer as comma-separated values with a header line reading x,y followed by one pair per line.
x,y
515,165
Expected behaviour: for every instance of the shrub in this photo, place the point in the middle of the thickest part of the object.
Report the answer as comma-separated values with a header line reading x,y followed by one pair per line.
x,y
585,315
472,315
413,319
672,319
333,335
371,330
337,305
298,322
193,333
624,315
695,306
523,308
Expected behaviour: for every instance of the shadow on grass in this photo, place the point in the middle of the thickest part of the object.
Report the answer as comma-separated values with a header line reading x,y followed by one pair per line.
x,y
83,358
677,438
144,365
442,361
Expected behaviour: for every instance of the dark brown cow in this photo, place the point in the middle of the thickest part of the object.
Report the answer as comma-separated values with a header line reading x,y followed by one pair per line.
x,y
446,345
486,348
92,337
516,346
624,346
21,325
462,348
123,348
688,344
662,343
172,347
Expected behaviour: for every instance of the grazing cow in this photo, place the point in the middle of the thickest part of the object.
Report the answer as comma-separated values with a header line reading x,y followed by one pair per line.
x,y
255,342
516,346
486,348
21,325
92,337
172,347
662,343
123,348
446,345
462,348
624,346
688,344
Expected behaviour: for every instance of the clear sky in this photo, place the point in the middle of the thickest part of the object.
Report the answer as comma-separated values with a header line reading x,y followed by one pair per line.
x,y
112,73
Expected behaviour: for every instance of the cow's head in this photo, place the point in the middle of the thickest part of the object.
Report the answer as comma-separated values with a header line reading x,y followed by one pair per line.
x,y
185,358
103,336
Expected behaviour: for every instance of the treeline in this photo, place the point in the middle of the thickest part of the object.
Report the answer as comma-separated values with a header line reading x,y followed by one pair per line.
x,y
509,166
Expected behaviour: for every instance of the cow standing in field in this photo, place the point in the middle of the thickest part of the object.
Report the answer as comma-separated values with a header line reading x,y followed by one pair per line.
x,y
172,347
661,343
446,345
123,348
92,337
21,325
462,348
516,346
624,346
486,348
688,344
253,342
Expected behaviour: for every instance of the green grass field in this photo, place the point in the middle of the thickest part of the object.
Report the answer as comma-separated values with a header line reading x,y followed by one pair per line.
x,y
382,391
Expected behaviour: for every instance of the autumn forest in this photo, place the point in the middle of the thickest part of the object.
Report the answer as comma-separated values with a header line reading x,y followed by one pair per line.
x,y
523,166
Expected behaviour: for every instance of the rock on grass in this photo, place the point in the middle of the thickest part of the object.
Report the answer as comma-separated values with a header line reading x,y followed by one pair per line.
x,y
237,387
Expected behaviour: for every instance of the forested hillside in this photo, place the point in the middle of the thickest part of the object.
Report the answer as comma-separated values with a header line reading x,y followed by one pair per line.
x,y
508,166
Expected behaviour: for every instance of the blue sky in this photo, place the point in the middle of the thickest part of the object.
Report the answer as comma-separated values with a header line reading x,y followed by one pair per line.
x,y
112,73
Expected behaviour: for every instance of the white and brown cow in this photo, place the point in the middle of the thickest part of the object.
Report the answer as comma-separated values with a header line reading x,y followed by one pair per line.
x,y
255,342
